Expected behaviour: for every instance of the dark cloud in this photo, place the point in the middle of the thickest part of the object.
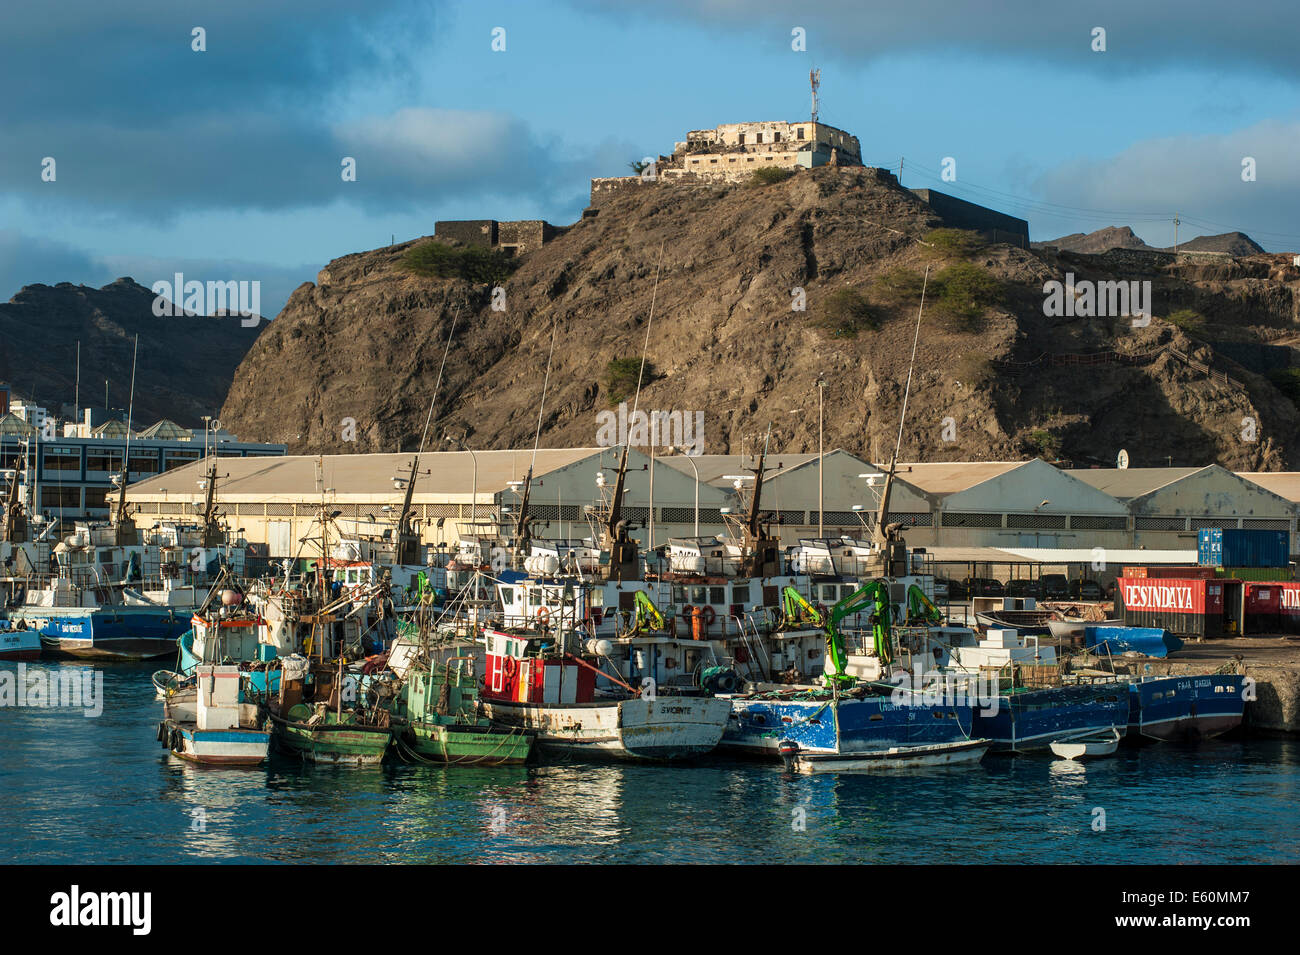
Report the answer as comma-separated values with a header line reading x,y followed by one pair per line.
x,y
1254,37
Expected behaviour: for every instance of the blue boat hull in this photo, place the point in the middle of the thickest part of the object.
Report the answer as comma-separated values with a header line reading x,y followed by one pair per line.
x,y
1186,707
758,726
122,633
1031,719
1149,641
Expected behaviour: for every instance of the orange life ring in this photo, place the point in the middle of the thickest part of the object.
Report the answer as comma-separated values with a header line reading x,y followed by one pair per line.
x,y
543,617
687,610
511,667
709,615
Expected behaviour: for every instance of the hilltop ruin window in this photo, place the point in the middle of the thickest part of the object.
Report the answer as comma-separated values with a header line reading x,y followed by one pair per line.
x,y
758,138
776,137
742,139
801,132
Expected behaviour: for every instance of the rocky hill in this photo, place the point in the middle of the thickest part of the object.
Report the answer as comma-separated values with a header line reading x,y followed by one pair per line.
x,y
996,377
1113,237
185,364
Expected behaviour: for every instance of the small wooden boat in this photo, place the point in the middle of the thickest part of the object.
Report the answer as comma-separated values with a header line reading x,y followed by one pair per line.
x,y
890,758
1074,626
1087,745
1029,622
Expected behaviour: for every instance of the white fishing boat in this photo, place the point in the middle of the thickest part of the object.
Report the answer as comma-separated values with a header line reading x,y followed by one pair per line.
x,y
1087,745
1074,626
224,729
883,760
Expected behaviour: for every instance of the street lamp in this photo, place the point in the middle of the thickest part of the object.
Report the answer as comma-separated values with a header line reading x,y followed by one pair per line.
x,y
691,461
473,506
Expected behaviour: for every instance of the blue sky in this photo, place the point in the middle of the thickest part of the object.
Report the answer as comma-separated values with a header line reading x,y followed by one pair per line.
x,y
225,163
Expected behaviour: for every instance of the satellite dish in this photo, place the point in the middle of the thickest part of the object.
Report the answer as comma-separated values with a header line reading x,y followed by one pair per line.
x,y
1122,461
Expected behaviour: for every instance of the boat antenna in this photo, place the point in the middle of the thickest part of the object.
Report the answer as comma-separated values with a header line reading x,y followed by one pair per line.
x,y
522,536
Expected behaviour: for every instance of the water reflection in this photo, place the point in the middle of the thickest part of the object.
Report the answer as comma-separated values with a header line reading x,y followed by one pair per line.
x,y
104,791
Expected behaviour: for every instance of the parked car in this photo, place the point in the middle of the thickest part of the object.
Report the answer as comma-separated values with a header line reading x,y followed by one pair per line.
x,y
940,589
955,588
1084,589
1055,586
983,587
1024,587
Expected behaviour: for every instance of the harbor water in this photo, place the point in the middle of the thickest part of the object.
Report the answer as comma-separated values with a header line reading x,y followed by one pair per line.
x,y
101,790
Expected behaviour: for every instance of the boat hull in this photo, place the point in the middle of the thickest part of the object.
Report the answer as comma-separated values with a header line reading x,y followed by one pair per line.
x,y
1186,707
663,729
20,645
476,745
125,633
238,746
758,726
893,758
1032,719
332,742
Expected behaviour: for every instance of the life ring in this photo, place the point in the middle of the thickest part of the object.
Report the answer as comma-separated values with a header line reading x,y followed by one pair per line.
x,y
543,617
511,667
686,614
709,615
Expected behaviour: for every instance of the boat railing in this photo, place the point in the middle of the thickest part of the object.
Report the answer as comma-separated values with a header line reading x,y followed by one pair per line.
x,y
755,651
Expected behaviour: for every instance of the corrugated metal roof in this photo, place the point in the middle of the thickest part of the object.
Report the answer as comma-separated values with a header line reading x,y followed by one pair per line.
x,y
1057,555
1282,483
949,477
1127,483
452,472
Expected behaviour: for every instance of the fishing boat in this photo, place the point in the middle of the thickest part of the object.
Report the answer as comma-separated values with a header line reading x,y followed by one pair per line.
x,y
1147,641
885,759
1027,718
1185,707
224,730
437,718
1087,745
534,682
19,643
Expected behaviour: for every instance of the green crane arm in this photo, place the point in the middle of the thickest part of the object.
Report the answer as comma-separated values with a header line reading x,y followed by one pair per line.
x,y
872,593
798,609
919,607
647,613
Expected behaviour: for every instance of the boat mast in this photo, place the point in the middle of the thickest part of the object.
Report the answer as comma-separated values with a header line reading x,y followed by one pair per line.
x,y
523,536
760,551
123,527
890,558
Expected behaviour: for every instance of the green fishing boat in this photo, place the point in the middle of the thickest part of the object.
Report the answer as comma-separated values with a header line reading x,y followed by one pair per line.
x,y
436,718
321,735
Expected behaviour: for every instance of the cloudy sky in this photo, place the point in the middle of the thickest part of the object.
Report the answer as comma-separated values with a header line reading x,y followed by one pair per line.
x,y
226,163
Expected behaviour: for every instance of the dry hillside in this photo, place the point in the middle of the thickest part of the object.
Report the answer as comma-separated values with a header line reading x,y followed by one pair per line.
x,y
365,341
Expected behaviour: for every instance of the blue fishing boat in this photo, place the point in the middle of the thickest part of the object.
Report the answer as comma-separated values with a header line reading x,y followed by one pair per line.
x,y
817,722
1185,707
113,631
1029,719
1148,641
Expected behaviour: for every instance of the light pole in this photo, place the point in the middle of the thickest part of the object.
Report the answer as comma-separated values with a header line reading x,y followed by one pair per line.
x,y
691,462
821,484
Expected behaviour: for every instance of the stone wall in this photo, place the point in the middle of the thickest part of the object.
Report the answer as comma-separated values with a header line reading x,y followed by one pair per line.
x,y
961,214
480,232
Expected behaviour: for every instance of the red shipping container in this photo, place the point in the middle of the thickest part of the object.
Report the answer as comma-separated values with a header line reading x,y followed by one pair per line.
x,y
1288,605
1188,572
1264,598
1179,605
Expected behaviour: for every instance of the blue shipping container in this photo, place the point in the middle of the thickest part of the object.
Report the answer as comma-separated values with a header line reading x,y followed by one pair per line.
x,y
1230,547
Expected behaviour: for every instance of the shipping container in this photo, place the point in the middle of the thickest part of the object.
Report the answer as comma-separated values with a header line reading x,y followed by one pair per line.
x,y
1288,606
1254,573
1233,547
1263,603
1193,607
1180,572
